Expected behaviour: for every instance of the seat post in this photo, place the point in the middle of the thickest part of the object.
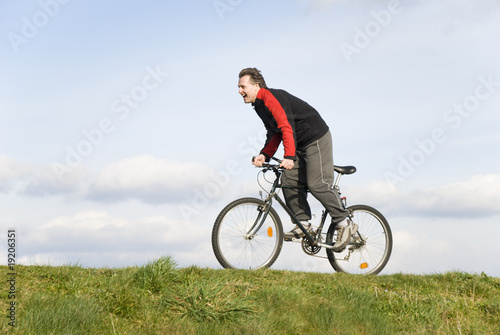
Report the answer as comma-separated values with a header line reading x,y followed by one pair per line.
x,y
337,180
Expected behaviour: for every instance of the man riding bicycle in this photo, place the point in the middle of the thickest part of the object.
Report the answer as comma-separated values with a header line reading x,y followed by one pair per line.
x,y
308,157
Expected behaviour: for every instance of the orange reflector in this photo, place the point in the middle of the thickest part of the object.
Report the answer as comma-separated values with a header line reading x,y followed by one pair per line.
x,y
270,232
363,265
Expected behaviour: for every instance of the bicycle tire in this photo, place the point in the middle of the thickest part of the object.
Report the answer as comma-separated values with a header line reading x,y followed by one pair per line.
x,y
370,258
233,249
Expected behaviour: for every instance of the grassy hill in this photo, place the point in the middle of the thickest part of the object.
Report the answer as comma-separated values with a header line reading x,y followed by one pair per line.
x,y
159,298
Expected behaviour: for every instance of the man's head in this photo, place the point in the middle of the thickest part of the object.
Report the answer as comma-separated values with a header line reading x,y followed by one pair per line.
x,y
249,84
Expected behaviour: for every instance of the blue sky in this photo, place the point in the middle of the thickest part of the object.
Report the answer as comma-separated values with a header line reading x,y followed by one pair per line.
x,y
123,135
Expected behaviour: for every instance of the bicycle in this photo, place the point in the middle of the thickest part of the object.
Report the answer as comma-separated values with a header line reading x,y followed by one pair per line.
x,y
248,233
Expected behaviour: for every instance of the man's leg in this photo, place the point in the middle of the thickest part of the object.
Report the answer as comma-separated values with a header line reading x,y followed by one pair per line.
x,y
319,163
320,179
296,198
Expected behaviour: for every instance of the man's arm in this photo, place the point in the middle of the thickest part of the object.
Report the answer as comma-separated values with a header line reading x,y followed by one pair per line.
x,y
272,143
284,124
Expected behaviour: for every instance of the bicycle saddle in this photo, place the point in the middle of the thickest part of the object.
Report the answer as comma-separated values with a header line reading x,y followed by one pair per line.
x,y
344,169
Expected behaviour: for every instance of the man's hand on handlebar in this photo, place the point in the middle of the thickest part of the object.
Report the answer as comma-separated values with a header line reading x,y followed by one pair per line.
x,y
287,163
259,160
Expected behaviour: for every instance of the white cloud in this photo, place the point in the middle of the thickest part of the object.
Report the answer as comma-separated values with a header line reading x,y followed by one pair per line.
x,y
463,14
43,181
90,220
11,173
477,197
431,253
414,253
147,178
94,237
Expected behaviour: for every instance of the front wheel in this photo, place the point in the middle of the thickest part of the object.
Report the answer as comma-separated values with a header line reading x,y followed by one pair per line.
x,y
369,249
237,241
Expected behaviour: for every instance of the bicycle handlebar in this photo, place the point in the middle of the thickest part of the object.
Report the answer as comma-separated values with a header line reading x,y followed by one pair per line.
x,y
271,166
267,165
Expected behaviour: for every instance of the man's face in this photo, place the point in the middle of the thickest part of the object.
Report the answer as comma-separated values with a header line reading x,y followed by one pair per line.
x,y
248,90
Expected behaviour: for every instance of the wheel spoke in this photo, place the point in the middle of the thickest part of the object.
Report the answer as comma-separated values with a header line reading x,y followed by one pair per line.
x,y
234,249
370,256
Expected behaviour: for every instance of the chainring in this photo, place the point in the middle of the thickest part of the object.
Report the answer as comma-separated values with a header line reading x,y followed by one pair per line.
x,y
308,248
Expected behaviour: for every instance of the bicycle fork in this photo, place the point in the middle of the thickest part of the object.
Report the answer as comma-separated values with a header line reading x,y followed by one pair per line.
x,y
259,221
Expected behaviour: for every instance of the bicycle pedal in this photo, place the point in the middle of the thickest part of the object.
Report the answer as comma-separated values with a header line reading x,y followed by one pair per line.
x,y
293,239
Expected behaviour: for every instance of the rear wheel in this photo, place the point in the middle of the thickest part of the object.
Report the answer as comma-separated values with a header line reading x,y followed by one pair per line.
x,y
369,249
235,246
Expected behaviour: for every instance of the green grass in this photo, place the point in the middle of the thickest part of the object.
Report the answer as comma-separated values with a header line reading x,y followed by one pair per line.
x,y
160,298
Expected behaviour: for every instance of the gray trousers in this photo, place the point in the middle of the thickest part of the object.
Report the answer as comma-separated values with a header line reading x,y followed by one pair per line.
x,y
313,170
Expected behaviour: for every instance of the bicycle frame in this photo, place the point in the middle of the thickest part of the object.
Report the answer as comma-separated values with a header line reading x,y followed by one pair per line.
x,y
268,203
